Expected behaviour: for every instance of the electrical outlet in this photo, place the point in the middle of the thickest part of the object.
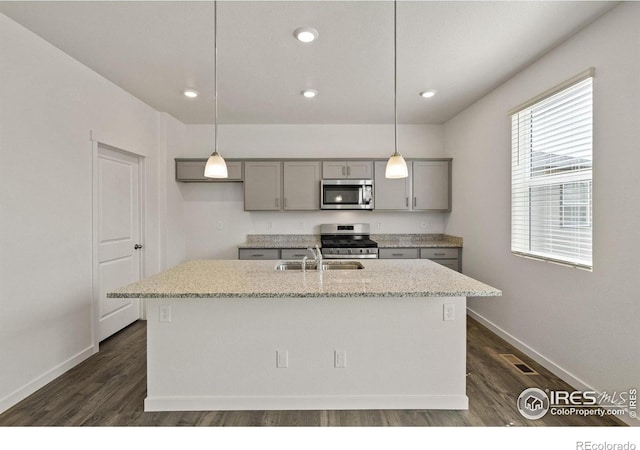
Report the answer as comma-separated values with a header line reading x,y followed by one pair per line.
x,y
424,224
379,224
340,359
269,225
219,225
449,311
165,313
282,359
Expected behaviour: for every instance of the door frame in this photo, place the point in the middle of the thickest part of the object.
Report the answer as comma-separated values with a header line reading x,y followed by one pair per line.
x,y
95,238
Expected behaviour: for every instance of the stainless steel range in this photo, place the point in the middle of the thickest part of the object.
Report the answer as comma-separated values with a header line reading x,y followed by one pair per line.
x,y
340,241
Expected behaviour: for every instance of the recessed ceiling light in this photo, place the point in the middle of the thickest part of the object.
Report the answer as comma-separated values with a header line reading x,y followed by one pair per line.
x,y
309,93
306,34
428,94
191,93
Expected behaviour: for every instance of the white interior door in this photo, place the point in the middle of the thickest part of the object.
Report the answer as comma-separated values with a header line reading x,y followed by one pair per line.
x,y
118,230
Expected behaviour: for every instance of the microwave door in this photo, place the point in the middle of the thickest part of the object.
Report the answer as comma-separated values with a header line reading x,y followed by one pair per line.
x,y
341,195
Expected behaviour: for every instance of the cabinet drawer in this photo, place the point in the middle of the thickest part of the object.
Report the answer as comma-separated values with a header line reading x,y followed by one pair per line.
x,y
295,253
450,263
435,253
398,253
258,253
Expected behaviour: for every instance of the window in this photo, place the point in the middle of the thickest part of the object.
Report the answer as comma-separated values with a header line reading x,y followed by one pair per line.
x,y
551,174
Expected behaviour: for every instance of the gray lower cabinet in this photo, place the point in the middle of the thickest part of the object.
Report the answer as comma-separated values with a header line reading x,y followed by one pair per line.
x,y
447,256
259,253
295,253
262,185
191,170
273,253
301,185
398,253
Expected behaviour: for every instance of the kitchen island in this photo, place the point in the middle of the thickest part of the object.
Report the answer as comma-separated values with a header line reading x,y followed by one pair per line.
x,y
239,335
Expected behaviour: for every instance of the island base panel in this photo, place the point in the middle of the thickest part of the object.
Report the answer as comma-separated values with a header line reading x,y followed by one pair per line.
x,y
221,354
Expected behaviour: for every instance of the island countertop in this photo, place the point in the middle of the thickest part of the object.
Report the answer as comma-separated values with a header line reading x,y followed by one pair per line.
x,y
259,279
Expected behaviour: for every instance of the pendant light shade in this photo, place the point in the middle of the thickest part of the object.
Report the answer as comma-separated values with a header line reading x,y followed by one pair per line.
x,y
216,166
396,166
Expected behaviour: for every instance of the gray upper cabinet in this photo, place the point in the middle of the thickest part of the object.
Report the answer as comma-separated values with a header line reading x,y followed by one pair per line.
x,y
357,170
431,185
301,182
262,185
391,194
191,170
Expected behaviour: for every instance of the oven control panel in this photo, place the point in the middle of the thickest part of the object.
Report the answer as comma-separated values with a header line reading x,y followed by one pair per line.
x,y
337,253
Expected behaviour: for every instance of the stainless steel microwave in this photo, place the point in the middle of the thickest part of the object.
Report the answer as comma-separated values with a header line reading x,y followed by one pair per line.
x,y
346,194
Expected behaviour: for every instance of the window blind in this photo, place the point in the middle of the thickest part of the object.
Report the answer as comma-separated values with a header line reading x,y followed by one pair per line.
x,y
551,176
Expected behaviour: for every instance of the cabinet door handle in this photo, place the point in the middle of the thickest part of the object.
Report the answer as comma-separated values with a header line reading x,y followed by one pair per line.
x,y
277,203
348,171
397,254
343,171
407,202
255,255
415,200
439,254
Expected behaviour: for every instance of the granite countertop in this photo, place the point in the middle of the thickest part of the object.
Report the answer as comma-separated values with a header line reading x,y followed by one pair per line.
x,y
416,240
383,240
281,241
259,279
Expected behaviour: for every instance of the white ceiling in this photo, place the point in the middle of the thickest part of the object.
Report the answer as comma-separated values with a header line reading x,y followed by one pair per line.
x,y
156,49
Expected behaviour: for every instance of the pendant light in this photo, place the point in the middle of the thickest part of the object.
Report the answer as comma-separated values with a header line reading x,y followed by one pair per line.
x,y
216,166
396,166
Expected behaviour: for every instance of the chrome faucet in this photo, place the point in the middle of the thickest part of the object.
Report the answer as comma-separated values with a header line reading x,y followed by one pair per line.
x,y
317,255
304,264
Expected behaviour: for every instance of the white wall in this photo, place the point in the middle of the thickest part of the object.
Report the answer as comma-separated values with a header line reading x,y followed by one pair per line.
x,y
49,103
583,324
205,204
172,135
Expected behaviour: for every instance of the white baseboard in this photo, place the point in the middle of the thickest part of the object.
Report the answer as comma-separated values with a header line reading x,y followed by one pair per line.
x,y
554,368
304,402
32,386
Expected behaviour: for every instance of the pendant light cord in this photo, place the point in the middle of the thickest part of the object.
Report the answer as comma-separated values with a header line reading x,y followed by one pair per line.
x,y
395,77
215,75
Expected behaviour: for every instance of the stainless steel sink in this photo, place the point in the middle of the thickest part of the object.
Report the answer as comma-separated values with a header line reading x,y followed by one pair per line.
x,y
326,265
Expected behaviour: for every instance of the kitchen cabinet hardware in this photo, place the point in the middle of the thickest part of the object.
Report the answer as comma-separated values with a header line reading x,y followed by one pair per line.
x,y
137,246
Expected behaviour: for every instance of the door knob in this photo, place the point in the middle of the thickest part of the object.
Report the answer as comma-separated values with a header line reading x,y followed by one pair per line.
x,y
137,246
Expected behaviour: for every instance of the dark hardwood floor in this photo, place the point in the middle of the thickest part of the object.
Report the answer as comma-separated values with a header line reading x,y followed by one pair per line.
x,y
109,388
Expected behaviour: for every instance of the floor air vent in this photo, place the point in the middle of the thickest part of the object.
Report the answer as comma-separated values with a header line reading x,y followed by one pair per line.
x,y
518,364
